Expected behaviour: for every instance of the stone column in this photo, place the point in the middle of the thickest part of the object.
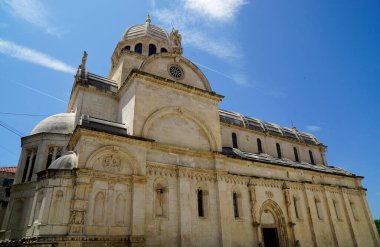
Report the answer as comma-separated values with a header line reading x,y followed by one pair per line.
x,y
288,203
312,231
81,189
137,237
252,200
224,215
185,212
369,218
329,216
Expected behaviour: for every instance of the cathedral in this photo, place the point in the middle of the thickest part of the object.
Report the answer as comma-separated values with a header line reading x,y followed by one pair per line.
x,y
145,157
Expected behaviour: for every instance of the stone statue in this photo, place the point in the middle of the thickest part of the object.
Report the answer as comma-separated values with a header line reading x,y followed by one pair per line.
x,y
176,39
84,59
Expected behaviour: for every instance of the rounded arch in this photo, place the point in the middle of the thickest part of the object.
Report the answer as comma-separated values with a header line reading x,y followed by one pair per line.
x,y
279,220
178,59
183,113
112,159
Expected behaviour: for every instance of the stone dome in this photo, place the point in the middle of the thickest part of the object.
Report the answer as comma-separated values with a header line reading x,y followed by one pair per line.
x,y
146,29
65,162
63,123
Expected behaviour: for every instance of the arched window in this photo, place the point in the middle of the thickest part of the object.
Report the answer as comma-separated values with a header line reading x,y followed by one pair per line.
x,y
234,140
311,157
296,154
128,47
152,49
138,48
279,155
49,159
201,212
32,167
26,167
163,50
235,202
259,146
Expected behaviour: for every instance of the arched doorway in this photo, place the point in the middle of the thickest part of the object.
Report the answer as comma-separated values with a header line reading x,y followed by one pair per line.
x,y
272,224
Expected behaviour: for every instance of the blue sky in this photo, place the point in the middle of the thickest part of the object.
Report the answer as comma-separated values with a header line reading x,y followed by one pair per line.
x,y
315,64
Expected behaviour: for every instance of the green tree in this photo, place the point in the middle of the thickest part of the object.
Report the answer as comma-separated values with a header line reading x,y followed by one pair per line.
x,y
377,223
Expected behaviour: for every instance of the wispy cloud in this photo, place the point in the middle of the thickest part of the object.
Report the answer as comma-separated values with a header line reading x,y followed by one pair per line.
x,y
33,12
196,20
221,10
40,92
26,54
313,128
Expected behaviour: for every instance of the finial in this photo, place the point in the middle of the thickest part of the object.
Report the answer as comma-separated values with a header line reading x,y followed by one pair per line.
x,y
148,19
84,59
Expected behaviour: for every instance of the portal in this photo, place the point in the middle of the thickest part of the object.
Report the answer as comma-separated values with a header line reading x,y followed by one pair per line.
x,y
270,237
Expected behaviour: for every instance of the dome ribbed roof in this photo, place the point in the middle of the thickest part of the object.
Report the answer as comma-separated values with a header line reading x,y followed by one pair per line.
x,y
146,30
65,162
60,123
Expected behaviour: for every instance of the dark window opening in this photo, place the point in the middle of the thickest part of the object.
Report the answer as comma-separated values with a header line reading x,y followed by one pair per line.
x,y
279,155
201,212
259,146
235,202
57,156
25,169
296,154
311,157
7,182
7,192
234,140
128,47
152,49
163,50
32,168
138,48
49,159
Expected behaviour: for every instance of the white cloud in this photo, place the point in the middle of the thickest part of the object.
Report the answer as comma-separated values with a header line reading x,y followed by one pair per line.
x,y
32,11
221,10
26,54
313,128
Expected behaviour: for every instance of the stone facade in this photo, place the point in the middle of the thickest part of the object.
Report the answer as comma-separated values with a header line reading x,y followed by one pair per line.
x,y
145,157
7,175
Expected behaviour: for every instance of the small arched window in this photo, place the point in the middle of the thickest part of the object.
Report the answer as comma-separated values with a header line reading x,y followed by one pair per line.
x,y
200,199
296,154
311,157
152,49
138,48
26,167
279,155
32,168
163,50
259,146
49,159
235,201
234,140
128,47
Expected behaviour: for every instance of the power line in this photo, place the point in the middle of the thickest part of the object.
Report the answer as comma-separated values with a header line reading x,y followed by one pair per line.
x,y
29,115
23,114
11,129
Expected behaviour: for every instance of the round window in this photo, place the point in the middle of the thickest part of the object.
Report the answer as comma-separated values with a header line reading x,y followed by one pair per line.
x,y
176,71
